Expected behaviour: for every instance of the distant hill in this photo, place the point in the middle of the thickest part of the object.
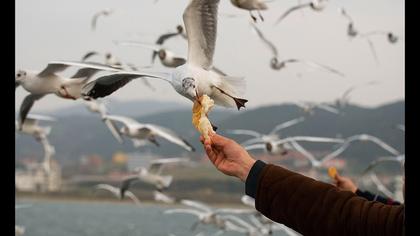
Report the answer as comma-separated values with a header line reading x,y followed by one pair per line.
x,y
129,108
77,134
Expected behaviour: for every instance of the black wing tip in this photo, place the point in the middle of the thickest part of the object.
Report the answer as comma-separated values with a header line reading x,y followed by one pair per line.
x,y
240,102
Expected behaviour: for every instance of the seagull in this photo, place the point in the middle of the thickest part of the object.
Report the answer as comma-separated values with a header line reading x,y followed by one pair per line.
x,y
31,126
143,131
352,32
362,137
281,146
39,84
251,5
164,37
276,64
316,5
308,107
390,36
98,107
105,12
194,78
168,58
267,138
206,214
116,192
40,133
152,175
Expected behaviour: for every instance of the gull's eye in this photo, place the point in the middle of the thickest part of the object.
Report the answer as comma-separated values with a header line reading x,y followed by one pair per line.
x,y
18,75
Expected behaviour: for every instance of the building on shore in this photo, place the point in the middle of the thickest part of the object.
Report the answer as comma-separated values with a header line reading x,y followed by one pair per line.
x,y
34,177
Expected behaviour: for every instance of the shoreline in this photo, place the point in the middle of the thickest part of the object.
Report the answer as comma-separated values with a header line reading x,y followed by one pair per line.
x,y
73,199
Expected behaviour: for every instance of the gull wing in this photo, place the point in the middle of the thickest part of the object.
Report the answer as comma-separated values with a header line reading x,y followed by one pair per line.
x,y
381,187
185,211
255,146
107,84
123,119
287,124
200,20
89,54
109,188
198,205
244,132
59,66
302,150
156,166
171,136
374,163
26,106
268,43
309,139
291,10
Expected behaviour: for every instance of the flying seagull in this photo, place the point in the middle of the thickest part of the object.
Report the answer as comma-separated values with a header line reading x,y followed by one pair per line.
x,y
195,78
116,192
152,175
39,84
277,64
140,131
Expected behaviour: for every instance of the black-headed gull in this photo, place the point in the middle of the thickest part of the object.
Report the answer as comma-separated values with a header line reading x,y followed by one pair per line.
x,y
152,174
316,5
363,138
116,192
280,146
39,84
167,57
266,138
206,214
195,78
140,131
105,12
277,64
251,5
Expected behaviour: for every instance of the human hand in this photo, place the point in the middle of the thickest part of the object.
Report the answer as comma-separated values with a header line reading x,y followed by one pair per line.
x,y
228,156
345,183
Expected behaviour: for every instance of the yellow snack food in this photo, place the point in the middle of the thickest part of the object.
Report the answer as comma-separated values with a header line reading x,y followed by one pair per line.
x,y
199,117
332,171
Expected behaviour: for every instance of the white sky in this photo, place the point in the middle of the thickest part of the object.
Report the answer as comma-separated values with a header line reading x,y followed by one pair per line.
x,y
49,30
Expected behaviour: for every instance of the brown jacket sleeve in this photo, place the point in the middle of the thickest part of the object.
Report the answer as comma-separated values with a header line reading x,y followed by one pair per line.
x,y
315,208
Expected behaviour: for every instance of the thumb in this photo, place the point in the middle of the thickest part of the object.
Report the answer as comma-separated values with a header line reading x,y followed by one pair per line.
x,y
218,140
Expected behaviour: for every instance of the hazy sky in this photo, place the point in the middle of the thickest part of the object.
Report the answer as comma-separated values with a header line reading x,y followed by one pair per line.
x,y
49,30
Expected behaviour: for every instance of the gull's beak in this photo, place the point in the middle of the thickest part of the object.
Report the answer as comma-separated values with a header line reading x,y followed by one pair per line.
x,y
197,97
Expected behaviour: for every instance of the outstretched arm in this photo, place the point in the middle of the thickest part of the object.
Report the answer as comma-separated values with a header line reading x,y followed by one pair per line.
x,y
301,203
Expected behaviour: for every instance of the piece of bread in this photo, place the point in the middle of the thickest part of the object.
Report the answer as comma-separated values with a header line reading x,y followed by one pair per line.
x,y
332,171
200,110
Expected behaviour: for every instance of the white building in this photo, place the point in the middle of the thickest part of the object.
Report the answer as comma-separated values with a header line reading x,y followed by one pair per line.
x,y
34,178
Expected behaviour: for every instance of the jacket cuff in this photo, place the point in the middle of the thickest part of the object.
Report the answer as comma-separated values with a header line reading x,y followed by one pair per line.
x,y
252,179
